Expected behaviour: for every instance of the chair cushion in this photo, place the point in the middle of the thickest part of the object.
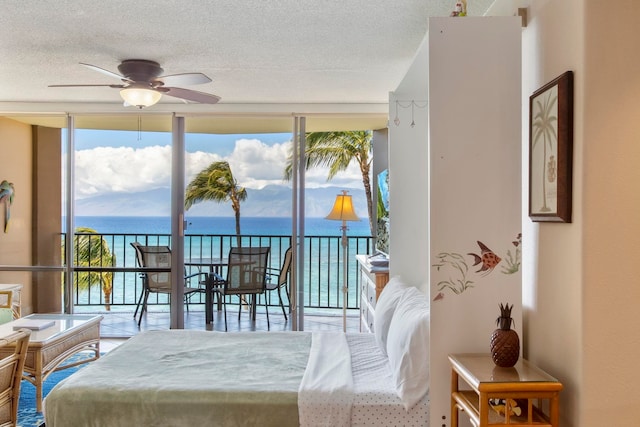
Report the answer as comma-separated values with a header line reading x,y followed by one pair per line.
x,y
385,307
408,347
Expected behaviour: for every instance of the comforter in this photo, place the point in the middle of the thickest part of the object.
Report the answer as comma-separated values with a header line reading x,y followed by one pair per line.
x,y
186,378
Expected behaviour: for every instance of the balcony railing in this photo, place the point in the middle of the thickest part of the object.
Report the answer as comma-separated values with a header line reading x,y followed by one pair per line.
x,y
322,268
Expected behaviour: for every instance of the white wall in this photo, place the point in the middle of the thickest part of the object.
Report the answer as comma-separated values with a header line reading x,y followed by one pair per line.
x,y
552,262
380,162
552,253
409,177
467,143
474,134
610,176
581,321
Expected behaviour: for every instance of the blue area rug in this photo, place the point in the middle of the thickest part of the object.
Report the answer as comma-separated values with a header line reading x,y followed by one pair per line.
x,y
27,415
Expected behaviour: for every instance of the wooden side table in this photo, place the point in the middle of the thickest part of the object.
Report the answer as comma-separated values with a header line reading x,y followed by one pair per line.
x,y
522,383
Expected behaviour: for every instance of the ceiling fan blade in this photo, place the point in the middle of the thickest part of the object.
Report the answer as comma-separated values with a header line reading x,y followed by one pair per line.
x,y
89,85
190,95
184,79
103,71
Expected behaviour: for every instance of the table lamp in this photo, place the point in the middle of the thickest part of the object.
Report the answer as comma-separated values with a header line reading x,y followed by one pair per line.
x,y
343,211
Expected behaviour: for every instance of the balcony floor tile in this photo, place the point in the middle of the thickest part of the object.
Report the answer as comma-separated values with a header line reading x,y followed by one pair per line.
x,y
123,325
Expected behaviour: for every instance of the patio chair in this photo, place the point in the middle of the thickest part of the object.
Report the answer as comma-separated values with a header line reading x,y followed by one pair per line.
x,y
158,282
246,276
279,278
11,368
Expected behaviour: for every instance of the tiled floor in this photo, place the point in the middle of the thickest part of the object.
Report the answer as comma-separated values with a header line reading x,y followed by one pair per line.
x,y
117,327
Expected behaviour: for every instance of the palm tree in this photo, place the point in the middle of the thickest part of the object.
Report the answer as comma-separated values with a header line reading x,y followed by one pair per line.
x,y
337,150
92,250
216,183
544,124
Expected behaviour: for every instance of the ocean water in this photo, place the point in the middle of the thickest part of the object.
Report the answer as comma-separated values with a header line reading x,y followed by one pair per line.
x,y
207,236
264,226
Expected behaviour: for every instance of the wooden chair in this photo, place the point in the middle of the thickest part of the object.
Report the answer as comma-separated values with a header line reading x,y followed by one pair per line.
x,y
11,368
246,275
6,306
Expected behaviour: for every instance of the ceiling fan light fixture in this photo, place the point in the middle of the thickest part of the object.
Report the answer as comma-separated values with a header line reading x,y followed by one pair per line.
x,y
141,84
140,97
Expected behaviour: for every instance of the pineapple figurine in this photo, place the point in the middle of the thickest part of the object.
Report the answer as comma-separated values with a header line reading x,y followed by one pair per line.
x,y
505,343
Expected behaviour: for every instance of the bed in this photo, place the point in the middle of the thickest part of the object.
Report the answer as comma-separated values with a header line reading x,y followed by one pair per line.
x,y
185,378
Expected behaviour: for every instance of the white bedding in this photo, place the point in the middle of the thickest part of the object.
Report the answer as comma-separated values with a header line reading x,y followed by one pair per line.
x,y
326,389
183,378
376,402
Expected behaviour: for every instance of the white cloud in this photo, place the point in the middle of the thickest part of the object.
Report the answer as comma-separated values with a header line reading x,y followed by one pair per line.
x,y
121,169
256,164
197,161
126,169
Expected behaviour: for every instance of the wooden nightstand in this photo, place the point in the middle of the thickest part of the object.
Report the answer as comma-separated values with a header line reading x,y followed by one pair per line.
x,y
523,383
372,281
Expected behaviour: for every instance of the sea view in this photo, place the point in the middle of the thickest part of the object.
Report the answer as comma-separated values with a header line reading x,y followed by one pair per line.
x,y
268,226
212,237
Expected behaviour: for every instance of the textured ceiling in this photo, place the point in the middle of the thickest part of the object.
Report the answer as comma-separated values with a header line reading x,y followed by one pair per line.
x,y
256,51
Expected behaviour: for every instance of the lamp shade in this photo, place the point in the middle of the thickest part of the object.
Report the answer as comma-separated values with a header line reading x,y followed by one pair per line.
x,y
343,209
140,96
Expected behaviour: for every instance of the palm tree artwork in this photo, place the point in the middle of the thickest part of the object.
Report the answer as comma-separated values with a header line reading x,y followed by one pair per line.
x,y
92,250
543,127
7,192
336,150
216,183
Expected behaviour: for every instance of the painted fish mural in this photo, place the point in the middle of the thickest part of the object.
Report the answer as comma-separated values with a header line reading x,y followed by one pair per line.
x,y
487,258
6,196
458,276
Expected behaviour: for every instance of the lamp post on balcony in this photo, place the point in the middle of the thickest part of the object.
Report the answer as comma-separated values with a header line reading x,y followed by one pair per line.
x,y
343,211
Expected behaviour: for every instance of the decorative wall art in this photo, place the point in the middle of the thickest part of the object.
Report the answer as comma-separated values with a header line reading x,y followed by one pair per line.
x,y
461,275
6,197
551,150
413,104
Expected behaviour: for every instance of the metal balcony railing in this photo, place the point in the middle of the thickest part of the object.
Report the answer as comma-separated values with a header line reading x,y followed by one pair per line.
x,y
322,268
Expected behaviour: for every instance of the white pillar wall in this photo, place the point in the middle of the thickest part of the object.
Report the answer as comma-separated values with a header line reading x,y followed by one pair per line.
x,y
469,71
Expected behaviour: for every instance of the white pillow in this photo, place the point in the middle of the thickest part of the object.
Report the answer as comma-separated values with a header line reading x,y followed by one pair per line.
x,y
408,347
385,306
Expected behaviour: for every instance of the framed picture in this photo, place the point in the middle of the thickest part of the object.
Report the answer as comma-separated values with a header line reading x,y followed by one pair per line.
x,y
551,150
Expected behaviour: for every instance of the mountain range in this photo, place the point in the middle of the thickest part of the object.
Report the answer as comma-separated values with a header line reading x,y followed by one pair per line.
x,y
270,201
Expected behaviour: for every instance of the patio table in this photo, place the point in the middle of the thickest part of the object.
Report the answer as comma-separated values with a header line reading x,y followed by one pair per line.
x,y
214,265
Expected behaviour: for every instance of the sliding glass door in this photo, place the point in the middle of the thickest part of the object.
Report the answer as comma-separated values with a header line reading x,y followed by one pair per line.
x,y
122,170
237,195
88,186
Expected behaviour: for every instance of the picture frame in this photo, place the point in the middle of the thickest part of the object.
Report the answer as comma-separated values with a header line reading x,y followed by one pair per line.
x,y
551,150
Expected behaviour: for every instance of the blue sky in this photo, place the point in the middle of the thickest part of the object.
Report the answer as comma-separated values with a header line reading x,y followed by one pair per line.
x,y
224,144
128,162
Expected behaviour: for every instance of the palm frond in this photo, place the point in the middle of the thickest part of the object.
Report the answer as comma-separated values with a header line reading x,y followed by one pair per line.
x,y
92,250
336,151
217,184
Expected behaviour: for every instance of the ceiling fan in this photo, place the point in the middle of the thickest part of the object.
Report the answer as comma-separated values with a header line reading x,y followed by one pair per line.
x,y
143,85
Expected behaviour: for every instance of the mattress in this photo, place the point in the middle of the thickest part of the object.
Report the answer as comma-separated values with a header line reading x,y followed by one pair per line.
x,y
375,402
184,378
